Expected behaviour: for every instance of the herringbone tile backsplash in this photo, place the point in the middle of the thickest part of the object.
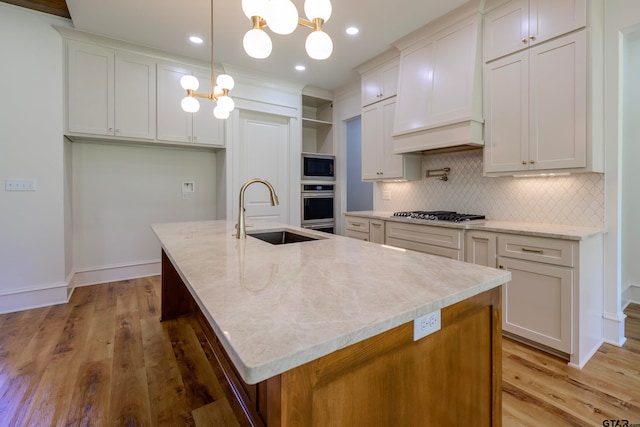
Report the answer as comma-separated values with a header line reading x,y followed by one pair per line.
x,y
574,199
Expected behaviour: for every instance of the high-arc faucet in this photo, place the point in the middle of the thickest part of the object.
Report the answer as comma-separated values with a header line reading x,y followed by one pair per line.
x,y
241,232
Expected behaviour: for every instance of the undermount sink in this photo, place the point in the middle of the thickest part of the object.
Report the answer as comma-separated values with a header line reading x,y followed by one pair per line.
x,y
281,237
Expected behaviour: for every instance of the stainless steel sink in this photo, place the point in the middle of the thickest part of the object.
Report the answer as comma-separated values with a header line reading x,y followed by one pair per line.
x,y
281,237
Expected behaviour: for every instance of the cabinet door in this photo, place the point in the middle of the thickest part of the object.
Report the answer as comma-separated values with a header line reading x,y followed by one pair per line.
x,y
537,303
506,29
480,248
553,18
506,111
372,129
90,99
135,96
376,231
207,130
392,164
174,124
380,84
558,103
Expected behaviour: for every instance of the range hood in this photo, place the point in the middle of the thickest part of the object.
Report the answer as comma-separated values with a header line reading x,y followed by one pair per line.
x,y
439,102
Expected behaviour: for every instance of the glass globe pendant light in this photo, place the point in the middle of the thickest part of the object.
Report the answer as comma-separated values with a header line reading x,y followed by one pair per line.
x,y
219,88
281,16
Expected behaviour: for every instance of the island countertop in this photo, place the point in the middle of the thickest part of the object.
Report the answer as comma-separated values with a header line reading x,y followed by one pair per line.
x,y
276,307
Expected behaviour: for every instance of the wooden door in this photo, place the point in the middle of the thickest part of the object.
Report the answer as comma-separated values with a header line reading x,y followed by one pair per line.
x,y
174,124
392,164
480,248
553,18
372,139
505,29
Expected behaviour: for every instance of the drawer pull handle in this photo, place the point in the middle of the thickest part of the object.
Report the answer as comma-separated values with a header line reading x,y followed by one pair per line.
x,y
533,251
484,239
355,225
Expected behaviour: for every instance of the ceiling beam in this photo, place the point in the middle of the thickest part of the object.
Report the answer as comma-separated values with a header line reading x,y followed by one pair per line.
x,y
53,7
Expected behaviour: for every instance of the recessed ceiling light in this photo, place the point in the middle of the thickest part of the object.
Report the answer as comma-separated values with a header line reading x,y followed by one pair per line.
x,y
195,39
300,67
352,31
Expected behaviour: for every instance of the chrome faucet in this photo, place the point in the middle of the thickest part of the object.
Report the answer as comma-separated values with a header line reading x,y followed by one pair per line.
x,y
241,232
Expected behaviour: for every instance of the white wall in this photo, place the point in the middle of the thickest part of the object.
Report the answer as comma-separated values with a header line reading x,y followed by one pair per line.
x,y
630,174
119,191
32,265
621,17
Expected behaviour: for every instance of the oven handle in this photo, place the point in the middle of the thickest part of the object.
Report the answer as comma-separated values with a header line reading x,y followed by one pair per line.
x,y
325,194
315,226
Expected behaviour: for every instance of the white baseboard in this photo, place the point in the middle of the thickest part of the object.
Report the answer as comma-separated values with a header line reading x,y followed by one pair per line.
x,y
33,297
631,295
60,293
614,329
115,273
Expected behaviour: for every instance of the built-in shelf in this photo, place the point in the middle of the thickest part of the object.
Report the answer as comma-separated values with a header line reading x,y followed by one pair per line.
x,y
314,123
317,131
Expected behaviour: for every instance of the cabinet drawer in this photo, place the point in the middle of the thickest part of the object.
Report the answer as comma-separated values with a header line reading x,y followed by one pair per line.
x,y
361,235
357,224
538,249
427,234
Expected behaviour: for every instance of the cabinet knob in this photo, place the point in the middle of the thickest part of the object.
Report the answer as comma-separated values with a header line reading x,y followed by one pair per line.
x,y
117,130
501,267
532,37
110,130
524,40
532,161
524,162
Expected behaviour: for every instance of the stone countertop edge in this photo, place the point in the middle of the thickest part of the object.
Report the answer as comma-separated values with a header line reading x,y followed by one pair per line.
x,y
537,229
253,352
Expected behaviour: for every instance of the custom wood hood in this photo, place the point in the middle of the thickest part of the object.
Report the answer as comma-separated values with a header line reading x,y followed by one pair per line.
x,y
439,102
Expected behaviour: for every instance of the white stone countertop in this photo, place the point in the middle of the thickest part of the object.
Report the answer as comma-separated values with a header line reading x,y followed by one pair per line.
x,y
276,307
556,231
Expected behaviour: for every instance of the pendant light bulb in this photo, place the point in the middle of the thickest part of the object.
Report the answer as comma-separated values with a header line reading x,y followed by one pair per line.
x,y
226,102
281,16
318,9
254,7
319,45
190,105
189,82
220,113
257,44
225,81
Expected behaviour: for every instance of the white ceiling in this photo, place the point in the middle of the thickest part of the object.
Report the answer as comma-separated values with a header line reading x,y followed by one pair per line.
x,y
167,24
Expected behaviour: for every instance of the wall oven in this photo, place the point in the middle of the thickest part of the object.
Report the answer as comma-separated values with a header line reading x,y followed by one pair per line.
x,y
318,167
318,207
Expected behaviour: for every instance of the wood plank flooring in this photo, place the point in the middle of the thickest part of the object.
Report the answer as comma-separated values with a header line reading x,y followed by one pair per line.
x,y
104,359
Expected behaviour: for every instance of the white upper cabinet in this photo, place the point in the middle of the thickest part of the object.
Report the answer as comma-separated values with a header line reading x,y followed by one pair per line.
x,y
378,160
380,83
110,93
519,24
536,108
176,125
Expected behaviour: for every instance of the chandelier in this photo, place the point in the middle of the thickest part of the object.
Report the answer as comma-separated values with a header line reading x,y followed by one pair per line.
x,y
281,16
219,89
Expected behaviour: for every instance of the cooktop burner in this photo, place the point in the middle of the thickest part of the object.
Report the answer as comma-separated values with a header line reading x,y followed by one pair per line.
x,y
449,216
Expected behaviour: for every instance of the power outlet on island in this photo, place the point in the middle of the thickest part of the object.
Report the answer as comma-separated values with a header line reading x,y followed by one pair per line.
x,y
426,325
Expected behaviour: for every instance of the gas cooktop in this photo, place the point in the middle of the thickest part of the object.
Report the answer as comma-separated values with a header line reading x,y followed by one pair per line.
x,y
448,216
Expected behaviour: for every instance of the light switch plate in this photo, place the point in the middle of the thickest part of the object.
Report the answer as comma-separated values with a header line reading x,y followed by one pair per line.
x,y
426,325
19,185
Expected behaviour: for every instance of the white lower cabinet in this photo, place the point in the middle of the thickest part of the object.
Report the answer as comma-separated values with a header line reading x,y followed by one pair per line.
x,y
369,230
441,241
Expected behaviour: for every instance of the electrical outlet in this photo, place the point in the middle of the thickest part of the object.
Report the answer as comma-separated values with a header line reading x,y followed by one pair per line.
x,y
426,325
188,187
19,185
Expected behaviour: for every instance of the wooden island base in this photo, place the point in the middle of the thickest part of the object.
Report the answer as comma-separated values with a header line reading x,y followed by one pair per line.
x,y
449,378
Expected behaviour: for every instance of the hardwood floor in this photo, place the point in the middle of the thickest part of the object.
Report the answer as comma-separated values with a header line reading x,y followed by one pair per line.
x,y
105,359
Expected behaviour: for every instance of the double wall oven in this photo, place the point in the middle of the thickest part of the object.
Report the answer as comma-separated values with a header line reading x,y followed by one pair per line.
x,y
318,192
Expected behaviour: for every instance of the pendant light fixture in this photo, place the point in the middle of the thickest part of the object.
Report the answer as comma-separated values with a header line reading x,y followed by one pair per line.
x,y
281,16
219,89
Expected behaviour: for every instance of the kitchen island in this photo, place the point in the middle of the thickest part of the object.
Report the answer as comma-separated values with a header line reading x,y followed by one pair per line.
x,y
321,333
